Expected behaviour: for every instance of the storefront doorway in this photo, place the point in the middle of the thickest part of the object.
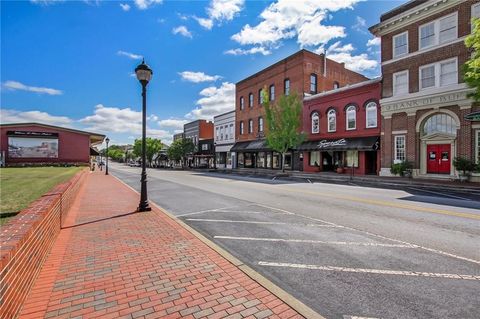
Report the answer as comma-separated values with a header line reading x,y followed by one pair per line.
x,y
371,162
438,159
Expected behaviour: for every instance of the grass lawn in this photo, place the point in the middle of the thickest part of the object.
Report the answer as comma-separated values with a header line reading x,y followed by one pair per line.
x,y
19,186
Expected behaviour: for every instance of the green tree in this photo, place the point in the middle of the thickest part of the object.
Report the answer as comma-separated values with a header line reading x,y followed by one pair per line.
x,y
153,146
116,152
283,122
472,66
179,150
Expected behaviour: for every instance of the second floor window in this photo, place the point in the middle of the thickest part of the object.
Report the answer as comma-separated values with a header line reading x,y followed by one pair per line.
x,y
260,124
371,114
241,128
400,83
286,86
332,120
250,100
272,92
351,117
315,123
250,126
400,44
439,74
260,97
313,83
242,103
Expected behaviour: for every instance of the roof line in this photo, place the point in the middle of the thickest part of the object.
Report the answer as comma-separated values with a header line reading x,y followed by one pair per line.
x,y
342,89
51,126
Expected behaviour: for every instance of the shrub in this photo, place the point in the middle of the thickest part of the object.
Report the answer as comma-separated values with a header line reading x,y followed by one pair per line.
x,y
464,165
401,168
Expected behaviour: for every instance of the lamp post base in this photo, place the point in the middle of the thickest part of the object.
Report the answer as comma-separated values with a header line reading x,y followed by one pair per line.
x,y
146,208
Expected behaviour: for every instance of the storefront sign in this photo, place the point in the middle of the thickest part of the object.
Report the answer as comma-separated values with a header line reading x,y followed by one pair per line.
x,y
32,134
431,100
326,143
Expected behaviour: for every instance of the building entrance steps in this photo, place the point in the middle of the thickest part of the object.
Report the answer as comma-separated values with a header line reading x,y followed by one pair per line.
x,y
112,262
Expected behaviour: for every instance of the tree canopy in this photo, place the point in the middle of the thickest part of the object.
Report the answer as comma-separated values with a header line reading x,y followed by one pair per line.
x,y
179,149
153,146
283,122
472,66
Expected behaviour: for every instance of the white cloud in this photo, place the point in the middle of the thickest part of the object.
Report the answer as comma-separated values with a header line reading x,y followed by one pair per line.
x,y
206,23
360,25
197,77
172,124
129,55
14,85
254,50
125,6
286,19
183,31
343,53
214,100
373,42
46,2
145,4
14,116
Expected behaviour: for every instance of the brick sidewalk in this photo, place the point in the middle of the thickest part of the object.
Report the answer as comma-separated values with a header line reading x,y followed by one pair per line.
x,y
110,262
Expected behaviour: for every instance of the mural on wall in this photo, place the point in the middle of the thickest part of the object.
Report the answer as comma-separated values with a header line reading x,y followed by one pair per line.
x,y
32,147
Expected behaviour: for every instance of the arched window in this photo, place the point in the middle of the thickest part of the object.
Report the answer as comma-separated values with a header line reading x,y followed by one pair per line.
x,y
260,97
313,83
332,120
315,123
336,85
250,100
351,117
272,92
241,127
286,86
440,123
250,126
260,124
242,103
371,114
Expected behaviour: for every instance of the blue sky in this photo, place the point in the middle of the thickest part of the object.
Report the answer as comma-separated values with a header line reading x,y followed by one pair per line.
x,y
70,63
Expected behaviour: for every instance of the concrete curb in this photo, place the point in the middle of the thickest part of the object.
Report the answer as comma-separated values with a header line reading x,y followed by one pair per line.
x,y
281,294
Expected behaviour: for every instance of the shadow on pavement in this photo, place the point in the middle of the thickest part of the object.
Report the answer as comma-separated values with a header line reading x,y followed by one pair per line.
x,y
99,220
443,201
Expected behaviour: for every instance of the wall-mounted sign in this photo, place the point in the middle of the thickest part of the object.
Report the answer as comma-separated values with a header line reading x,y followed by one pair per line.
x,y
32,134
327,143
475,116
436,100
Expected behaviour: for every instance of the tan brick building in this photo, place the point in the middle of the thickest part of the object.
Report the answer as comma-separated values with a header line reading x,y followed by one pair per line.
x,y
424,97
303,72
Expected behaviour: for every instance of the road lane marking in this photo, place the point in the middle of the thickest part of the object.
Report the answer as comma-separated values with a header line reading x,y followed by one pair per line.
x,y
372,271
308,241
206,211
252,222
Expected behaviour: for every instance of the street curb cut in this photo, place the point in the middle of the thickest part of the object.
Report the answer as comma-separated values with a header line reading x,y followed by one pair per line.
x,y
281,294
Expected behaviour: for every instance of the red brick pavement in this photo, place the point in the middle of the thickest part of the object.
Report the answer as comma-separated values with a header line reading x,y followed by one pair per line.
x,y
110,262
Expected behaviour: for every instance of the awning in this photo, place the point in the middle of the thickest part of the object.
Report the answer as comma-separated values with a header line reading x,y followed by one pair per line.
x,y
250,146
371,143
93,152
474,116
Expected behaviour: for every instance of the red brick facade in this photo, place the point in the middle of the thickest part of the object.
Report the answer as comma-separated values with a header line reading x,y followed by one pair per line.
x,y
418,123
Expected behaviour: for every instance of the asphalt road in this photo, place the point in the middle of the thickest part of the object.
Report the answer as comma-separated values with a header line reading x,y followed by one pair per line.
x,y
344,250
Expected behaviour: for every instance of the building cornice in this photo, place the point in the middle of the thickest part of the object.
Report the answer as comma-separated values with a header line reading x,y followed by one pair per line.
x,y
411,16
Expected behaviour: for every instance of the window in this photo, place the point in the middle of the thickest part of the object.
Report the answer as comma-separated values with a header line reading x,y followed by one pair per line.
x,y
241,127
250,126
352,158
371,114
440,123
332,120
439,31
221,132
476,10
225,129
217,129
272,92
260,124
336,85
400,44
315,158
231,131
313,83
261,160
439,74
250,100
477,146
260,97
315,123
204,147
351,117
399,149
286,86
242,103
400,83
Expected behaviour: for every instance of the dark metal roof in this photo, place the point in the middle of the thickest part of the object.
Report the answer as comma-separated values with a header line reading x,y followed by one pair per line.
x,y
257,145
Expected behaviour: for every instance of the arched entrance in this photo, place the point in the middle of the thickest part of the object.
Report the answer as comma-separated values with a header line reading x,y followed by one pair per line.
x,y
438,135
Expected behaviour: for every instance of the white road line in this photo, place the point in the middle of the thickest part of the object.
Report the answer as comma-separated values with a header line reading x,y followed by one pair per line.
x,y
433,250
252,222
372,271
307,241
438,193
205,211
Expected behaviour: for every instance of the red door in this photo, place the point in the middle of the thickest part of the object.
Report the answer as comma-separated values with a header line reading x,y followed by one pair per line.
x,y
438,159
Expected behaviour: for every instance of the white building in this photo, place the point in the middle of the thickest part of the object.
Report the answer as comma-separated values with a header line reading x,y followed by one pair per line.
x,y
224,138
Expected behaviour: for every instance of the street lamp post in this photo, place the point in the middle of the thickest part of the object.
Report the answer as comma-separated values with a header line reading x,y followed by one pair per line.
x,y
144,74
106,156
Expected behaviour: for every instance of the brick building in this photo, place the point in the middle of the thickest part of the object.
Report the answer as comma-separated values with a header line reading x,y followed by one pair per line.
x,y
304,72
424,98
38,144
343,130
201,134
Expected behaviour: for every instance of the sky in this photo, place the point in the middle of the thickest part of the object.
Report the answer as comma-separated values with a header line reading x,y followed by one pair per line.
x,y
71,63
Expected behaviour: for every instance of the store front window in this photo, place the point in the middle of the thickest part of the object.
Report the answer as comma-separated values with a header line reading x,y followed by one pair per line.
x,y
248,160
276,160
351,158
261,160
269,160
241,160
288,160
315,158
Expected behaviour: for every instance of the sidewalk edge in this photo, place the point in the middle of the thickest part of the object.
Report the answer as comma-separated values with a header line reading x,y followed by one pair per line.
x,y
281,294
